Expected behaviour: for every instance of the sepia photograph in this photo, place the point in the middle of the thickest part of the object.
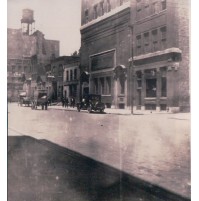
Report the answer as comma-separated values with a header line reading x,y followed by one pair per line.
x,y
98,100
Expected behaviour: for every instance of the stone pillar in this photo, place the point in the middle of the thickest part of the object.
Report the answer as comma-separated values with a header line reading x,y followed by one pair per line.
x,y
170,86
158,89
143,92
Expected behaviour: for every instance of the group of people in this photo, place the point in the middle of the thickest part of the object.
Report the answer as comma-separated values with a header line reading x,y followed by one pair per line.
x,y
65,102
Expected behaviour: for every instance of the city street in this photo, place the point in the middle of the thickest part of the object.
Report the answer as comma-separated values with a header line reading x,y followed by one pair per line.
x,y
154,148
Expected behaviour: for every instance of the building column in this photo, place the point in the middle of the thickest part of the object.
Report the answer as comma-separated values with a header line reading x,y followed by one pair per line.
x,y
170,87
143,92
158,89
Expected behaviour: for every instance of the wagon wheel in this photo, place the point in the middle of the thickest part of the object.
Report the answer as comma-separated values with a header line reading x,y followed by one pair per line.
x,y
89,109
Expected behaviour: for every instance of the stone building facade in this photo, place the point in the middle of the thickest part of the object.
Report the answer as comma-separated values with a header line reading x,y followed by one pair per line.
x,y
160,54
136,53
105,51
71,76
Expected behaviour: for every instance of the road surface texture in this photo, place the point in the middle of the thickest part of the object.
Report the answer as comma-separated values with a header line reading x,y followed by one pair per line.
x,y
154,148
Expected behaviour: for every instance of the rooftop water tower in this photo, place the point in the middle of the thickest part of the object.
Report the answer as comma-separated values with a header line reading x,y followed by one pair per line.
x,y
27,21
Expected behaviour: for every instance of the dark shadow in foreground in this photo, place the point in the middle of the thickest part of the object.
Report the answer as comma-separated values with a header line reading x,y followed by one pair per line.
x,y
39,170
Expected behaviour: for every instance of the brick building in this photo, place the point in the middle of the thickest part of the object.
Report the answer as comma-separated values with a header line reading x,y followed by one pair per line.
x,y
160,54
135,53
28,53
71,76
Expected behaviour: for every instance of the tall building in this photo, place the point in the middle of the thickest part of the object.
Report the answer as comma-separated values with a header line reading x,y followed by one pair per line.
x,y
161,54
135,53
28,53
105,50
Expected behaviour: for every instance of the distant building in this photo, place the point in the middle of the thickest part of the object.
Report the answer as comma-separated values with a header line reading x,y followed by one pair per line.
x,y
71,78
62,78
28,53
135,53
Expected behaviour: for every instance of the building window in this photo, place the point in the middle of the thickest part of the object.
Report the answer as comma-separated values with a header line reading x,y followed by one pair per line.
x,y
95,12
146,42
86,16
60,70
163,4
154,8
53,70
96,87
13,69
146,10
155,40
138,44
67,75
121,2
150,87
164,87
139,9
163,32
108,85
102,7
108,6
20,69
75,74
71,75
102,85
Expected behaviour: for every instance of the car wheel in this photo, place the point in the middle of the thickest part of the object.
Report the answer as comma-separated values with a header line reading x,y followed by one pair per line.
x,y
102,111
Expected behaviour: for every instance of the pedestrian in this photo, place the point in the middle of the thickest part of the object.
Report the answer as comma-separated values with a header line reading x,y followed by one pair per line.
x,y
62,101
66,102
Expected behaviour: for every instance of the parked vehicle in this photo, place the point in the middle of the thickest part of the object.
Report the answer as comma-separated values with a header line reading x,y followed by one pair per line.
x,y
40,99
24,99
91,102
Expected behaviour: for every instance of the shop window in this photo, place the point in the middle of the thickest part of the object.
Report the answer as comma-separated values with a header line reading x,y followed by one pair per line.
x,y
108,84
150,87
102,85
96,87
163,4
164,87
163,106
150,106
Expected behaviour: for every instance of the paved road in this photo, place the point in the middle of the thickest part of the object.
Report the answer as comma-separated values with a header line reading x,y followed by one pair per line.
x,y
155,148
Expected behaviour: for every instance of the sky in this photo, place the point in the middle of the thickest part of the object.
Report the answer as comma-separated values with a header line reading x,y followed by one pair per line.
x,y
56,19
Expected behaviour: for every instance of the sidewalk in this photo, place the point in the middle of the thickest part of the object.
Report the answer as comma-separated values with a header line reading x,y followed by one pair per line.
x,y
123,111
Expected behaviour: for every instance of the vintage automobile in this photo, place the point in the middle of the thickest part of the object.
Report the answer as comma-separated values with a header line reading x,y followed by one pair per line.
x,y
91,102
24,99
40,99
